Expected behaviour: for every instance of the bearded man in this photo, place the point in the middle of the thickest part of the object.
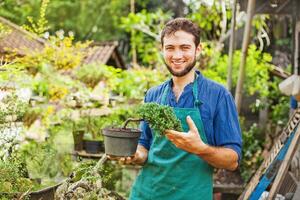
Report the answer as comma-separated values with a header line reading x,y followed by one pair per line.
x,y
180,165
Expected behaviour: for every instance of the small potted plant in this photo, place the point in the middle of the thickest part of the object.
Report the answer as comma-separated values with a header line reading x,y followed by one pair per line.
x,y
92,144
123,141
85,135
78,130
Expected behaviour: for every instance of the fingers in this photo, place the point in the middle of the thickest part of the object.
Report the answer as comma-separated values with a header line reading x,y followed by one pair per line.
x,y
126,160
191,124
171,132
110,157
122,160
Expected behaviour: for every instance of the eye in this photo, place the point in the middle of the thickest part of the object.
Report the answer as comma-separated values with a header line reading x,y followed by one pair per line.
x,y
185,48
169,48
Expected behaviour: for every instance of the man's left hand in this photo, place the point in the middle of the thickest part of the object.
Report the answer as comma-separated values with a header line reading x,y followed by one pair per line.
x,y
190,141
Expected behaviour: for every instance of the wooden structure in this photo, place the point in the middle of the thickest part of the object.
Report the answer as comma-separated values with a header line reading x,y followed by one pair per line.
x,y
281,7
20,41
275,166
286,7
278,7
105,53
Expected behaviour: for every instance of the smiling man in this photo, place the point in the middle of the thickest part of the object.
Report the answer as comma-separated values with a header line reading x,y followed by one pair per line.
x,y
180,165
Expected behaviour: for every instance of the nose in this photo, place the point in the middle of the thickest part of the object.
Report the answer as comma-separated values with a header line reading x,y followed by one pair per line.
x,y
177,54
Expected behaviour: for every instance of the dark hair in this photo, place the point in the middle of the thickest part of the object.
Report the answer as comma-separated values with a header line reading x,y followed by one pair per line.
x,y
181,24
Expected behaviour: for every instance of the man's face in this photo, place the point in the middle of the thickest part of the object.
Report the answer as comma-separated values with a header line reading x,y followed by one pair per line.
x,y
180,53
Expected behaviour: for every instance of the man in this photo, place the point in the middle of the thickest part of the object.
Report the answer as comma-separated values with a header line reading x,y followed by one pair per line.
x,y
180,165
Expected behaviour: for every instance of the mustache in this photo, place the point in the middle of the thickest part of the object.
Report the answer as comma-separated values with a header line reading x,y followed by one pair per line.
x,y
183,72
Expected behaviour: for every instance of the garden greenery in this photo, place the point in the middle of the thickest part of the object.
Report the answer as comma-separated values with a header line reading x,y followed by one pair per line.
x,y
56,75
159,117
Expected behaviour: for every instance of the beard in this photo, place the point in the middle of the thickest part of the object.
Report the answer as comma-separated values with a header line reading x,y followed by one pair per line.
x,y
183,72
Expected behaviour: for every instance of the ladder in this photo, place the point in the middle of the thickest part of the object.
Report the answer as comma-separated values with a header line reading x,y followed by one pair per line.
x,y
275,166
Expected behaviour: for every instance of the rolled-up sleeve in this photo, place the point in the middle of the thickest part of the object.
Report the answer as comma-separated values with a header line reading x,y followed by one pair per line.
x,y
146,136
226,125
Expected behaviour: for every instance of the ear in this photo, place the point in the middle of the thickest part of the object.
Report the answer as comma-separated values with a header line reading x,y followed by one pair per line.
x,y
161,51
198,50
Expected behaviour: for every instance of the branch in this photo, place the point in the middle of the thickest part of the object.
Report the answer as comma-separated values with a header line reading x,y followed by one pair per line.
x,y
239,21
145,29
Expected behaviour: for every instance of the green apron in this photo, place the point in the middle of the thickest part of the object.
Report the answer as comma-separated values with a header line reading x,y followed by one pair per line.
x,y
171,173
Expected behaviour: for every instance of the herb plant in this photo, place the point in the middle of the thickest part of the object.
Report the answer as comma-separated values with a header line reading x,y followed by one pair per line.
x,y
160,117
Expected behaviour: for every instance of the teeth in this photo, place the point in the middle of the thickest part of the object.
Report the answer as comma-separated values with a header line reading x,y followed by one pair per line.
x,y
178,63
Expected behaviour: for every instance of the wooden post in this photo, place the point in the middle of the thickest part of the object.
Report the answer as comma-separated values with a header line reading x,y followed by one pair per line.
x,y
246,39
231,47
133,46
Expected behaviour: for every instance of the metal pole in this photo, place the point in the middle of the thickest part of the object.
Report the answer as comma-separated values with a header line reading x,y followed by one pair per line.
x,y
246,39
231,47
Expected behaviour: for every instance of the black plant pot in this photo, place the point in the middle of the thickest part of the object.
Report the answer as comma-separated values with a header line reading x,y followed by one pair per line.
x,y
121,141
93,146
45,193
78,139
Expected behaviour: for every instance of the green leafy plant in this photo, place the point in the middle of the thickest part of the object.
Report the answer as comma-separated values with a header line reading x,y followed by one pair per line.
x,y
13,177
4,30
12,108
252,152
45,161
135,82
90,181
41,26
91,74
159,117
146,37
110,173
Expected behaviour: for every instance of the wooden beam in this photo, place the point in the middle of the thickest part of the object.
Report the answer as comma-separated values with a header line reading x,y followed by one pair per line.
x,y
246,39
231,47
279,72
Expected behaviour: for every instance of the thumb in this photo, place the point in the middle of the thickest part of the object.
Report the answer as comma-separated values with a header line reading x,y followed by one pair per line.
x,y
191,124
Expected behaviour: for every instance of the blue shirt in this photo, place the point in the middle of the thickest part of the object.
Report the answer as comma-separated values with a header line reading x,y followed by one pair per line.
x,y
218,112
293,102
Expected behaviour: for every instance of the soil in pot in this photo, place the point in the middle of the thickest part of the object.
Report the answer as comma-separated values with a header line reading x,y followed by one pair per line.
x,y
121,141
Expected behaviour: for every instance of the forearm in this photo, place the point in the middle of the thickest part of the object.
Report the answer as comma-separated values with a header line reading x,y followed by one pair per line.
x,y
141,155
220,157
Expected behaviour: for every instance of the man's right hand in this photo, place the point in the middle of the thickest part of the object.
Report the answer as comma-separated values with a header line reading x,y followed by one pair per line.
x,y
139,158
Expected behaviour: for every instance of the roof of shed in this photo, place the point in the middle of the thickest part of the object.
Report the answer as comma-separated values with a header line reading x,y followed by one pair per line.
x,y
19,40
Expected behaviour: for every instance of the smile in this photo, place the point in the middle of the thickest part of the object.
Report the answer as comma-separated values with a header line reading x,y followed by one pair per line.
x,y
178,62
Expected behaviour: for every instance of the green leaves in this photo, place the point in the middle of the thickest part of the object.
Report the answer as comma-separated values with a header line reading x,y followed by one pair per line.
x,y
159,117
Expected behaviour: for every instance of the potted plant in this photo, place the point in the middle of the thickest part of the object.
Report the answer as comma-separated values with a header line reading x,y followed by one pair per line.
x,y
123,141
92,144
85,135
16,181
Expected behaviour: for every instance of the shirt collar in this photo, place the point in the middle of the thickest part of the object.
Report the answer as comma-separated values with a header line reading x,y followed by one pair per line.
x,y
199,78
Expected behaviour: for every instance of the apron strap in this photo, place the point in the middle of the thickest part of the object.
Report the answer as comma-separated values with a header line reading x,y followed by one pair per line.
x,y
164,95
197,102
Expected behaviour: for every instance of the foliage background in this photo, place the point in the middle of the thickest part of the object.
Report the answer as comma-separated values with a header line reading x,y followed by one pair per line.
x,y
58,77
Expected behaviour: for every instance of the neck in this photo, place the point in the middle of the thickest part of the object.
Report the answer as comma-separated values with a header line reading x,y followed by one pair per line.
x,y
181,82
